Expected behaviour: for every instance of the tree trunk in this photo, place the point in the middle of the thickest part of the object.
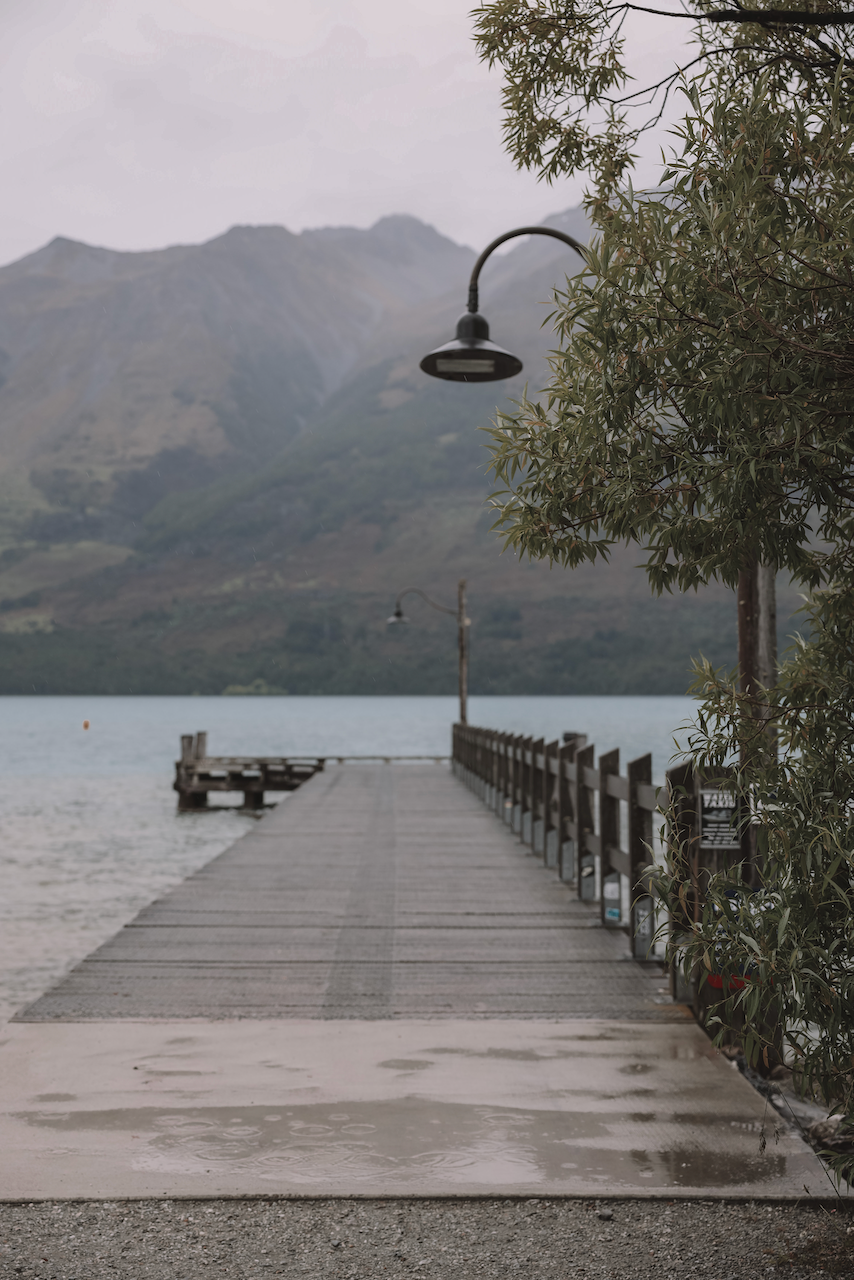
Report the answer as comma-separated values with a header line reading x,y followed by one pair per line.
x,y
757,660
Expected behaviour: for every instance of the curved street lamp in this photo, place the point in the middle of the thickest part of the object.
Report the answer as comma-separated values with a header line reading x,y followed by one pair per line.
x,y
471,357
462,634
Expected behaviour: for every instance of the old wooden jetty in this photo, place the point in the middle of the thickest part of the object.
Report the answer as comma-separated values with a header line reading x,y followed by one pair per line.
x,y
197,774
377,990
375,890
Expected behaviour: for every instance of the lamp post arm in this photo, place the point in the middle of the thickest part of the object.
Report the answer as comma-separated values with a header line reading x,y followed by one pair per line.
x,y
418,592
510,235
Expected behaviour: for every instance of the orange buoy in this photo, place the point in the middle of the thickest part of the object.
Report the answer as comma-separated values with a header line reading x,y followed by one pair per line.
x,y
85,724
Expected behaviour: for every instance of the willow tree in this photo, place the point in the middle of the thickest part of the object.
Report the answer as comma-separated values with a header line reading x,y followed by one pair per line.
x,y
699,405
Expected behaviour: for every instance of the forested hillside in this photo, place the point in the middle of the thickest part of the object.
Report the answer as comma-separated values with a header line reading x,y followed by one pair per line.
x,y
220,463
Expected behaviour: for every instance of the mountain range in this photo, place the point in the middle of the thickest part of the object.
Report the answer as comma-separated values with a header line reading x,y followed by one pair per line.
x,y
220,463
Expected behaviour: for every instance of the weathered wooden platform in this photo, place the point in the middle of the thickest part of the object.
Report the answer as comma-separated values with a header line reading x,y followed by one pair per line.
x,y
377,992
375,891
197,774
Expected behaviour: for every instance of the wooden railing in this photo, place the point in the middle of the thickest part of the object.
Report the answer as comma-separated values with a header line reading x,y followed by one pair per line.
x,y
587,821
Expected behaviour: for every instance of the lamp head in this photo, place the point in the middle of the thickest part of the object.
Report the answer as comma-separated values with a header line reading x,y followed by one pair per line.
x,y
471,357
397,616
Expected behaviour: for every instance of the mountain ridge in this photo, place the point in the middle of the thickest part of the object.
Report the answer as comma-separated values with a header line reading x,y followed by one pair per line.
x,y
219,463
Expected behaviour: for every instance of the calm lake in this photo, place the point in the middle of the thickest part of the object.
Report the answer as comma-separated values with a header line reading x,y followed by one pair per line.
x,y
90,831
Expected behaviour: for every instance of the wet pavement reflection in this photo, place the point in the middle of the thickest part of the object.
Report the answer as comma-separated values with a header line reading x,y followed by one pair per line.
x,y
406,1141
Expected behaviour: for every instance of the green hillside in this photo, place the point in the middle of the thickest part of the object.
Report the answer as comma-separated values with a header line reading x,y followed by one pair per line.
x,y
206,552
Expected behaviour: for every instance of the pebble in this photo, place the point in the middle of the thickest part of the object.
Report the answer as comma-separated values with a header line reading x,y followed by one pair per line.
x,y
439,1239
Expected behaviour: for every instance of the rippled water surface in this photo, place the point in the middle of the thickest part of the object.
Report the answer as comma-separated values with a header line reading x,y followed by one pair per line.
x,y
90,832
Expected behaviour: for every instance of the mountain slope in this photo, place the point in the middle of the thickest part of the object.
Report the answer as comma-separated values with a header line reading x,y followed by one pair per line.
x,y
220,463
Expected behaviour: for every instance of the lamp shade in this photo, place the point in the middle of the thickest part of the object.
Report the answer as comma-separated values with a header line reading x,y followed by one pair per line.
x,y
471,357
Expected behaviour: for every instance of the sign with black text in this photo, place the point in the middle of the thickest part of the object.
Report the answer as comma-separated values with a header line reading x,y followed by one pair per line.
x,y
717,819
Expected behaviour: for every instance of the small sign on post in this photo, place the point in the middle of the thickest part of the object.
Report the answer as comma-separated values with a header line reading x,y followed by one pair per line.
x,y
612,913
718,818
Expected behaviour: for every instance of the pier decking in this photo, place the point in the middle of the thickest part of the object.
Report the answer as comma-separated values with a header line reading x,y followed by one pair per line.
x,y
377,992
374,891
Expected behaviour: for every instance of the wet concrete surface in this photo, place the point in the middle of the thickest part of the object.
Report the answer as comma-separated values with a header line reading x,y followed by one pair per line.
x,y
358,1108
377,993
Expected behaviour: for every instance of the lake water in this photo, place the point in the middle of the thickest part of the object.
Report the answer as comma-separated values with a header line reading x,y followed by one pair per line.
x,y
88,819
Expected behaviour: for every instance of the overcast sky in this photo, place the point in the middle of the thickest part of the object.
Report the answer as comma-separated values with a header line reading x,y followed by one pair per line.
x,y
141,123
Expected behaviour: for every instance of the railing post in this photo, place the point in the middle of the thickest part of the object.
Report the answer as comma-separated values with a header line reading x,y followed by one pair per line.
x,y
585,862
640,856
567,801
681,830
500,775
551,787
518,757
507,778
538,750
610,908
565,821
527,767
496,770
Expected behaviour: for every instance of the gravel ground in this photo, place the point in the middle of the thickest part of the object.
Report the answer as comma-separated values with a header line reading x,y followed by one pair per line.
x,y
251,1239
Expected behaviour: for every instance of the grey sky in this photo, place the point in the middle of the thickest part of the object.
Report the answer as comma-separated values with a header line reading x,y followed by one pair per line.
x,y
140,123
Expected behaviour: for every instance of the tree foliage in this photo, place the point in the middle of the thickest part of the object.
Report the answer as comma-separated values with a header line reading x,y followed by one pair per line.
x,y
699,405
785,946
565,98
700,397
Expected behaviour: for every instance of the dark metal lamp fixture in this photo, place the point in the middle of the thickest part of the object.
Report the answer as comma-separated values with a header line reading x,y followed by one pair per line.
x,y
471,357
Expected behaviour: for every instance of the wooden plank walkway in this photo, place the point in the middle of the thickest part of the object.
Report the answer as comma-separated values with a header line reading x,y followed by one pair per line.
x,y
382,891
376,992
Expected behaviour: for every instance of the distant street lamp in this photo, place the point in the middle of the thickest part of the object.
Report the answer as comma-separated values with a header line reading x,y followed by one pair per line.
x,y
471,357
463,623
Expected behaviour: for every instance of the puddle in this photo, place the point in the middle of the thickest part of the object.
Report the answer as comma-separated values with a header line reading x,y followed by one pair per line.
x,y
412,1142
406,1064
507,1055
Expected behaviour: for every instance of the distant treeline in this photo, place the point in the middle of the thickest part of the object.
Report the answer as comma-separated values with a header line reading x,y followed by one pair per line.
x,y
315,659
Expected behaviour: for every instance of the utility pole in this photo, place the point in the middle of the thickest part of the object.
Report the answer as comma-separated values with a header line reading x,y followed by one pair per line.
x,y
462,640
463,623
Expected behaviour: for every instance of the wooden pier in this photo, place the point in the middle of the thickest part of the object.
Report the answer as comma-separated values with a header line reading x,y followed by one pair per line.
x,y
374,891
197,774
377,991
